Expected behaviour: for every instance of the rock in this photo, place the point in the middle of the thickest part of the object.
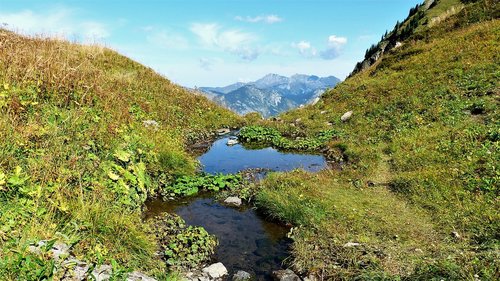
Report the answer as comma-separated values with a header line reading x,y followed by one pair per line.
x,y
150,123
329,124
311,277
223,131
298,120
398,44
418,250
324,112
351,244
285,275
60,251
346,116
233,200
241,276
75,270
231,142
315,101
215,270
455,235
102,272
139,276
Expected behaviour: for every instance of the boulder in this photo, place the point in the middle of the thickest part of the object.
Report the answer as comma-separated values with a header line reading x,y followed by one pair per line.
x,y
241,276
346,116
285,275
233,200
215,270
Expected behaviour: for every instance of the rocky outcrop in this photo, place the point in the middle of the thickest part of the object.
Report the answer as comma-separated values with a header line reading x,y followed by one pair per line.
x,y
68,268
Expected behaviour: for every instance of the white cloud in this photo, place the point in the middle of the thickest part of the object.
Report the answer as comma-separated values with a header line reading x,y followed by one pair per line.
x,y
335,45
269,19
305,49
58,22
168,40
240,43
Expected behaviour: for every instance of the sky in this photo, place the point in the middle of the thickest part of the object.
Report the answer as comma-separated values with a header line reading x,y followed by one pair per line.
x,y
218,42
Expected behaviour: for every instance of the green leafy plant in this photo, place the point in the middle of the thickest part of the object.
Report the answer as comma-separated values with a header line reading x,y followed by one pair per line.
x,y
181,245
190,185
271,136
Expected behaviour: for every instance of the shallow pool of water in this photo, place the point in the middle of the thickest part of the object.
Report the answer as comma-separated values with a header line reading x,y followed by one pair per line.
x,y
247,241
222,158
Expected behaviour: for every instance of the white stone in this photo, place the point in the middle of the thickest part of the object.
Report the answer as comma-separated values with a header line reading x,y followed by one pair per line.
x,y
232,142
215,270
351,244
346,116
233,200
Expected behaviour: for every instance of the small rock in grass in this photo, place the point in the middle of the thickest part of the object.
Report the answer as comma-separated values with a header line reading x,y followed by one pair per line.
x,y
346,116
233,200
215,270
351,244
456,235
150,123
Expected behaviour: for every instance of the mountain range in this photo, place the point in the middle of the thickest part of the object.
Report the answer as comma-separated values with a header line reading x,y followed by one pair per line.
x,y
272,94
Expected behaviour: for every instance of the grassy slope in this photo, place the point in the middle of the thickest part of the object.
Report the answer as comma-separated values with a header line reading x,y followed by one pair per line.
x,y
425,131
76,162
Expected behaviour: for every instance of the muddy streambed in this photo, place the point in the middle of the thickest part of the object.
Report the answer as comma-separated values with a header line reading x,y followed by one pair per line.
x,y
247,241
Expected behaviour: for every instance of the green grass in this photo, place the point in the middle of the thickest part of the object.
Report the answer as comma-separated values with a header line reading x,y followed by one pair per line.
x,y
425,132
76,160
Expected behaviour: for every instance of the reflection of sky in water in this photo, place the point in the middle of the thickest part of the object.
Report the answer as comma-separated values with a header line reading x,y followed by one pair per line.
x,y
246,240
232,159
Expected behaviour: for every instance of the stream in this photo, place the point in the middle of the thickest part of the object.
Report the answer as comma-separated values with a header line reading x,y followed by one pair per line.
x,y
247,241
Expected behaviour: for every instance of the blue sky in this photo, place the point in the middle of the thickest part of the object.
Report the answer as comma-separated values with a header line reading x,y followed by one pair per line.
x,y
219,42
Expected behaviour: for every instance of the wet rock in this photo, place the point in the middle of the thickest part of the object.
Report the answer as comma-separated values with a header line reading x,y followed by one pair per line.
x,y
223,131
233,200
351,245
231,142
215,270
285,275
150,124
241,276
346,116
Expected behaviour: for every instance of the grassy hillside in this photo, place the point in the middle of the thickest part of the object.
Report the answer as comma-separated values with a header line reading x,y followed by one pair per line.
x,y
420,188
76,159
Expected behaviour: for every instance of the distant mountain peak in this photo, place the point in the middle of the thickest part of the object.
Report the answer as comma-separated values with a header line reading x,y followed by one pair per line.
x,y
271,94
